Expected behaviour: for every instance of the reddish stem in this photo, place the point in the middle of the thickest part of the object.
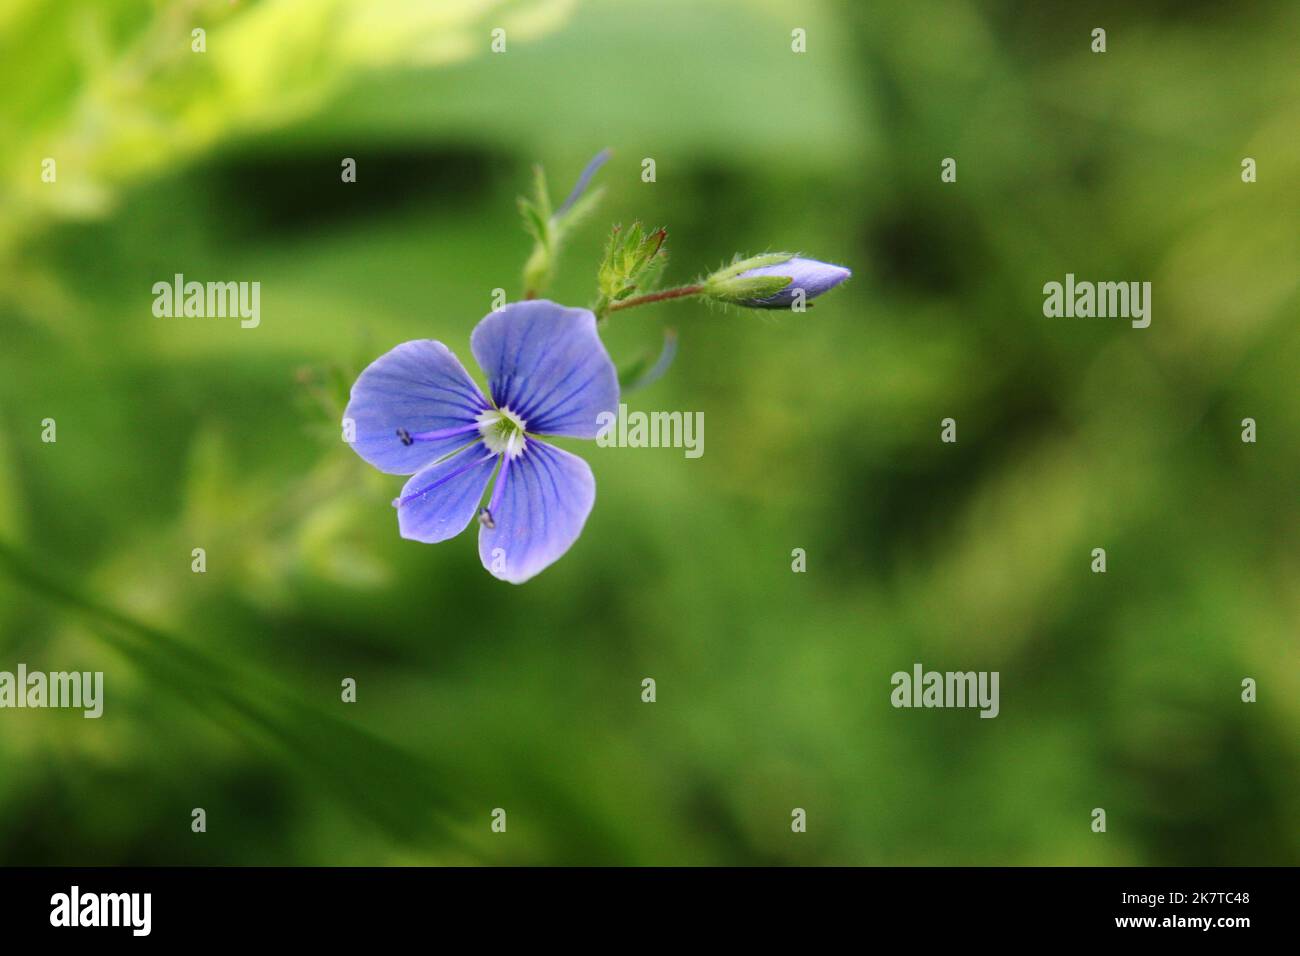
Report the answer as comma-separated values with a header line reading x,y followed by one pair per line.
x,y
657,297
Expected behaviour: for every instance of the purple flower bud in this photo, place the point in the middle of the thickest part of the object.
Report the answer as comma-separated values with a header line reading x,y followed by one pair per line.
x,y
811,276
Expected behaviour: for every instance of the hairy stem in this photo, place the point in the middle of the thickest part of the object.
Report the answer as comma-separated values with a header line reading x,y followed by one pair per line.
x,y
678,293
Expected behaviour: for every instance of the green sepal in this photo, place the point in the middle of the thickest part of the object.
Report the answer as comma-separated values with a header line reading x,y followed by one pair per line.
x,y
745,290
753,262
634,258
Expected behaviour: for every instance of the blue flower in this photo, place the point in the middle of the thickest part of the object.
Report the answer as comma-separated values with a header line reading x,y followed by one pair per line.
x,y
811,276
416,411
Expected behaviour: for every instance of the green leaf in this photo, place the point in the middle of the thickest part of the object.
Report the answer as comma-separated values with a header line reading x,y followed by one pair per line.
x,y
581,209
534,222
542,195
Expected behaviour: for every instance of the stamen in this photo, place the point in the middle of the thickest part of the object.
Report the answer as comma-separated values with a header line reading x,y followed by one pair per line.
x,y
485,516
407,438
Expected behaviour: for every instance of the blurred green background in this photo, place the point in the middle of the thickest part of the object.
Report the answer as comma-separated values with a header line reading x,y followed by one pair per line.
x,y
1119,691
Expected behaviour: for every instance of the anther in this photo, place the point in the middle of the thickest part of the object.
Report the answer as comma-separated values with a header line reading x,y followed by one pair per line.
x,y
405,436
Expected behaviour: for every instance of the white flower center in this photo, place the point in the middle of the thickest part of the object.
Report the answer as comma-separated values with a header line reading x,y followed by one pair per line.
x,y
502,431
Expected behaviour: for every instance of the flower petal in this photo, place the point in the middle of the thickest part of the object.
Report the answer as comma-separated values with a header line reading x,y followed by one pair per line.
x,y
539,512
547,364
437,503
419,387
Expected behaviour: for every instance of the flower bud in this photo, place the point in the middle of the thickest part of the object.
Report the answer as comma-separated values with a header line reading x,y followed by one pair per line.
x,y
809,275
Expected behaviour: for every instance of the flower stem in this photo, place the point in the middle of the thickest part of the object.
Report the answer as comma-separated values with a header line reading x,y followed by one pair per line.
x,y
678,293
